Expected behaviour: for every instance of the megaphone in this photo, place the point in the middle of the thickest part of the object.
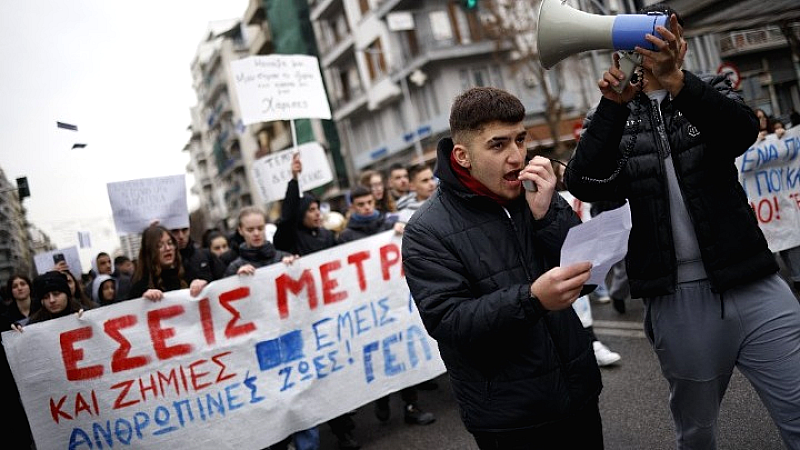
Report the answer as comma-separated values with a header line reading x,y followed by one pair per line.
x,y
565,31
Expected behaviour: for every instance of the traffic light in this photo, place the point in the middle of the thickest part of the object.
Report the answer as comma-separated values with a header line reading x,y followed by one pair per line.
x,y
469,5
22,188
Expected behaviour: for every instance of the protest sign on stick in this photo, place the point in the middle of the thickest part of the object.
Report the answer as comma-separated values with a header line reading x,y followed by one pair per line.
x,y
249,361
136,203
273,172
280,87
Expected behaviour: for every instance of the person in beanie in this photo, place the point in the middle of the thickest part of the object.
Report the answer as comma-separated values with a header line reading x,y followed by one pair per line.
x,y
482,262
52,291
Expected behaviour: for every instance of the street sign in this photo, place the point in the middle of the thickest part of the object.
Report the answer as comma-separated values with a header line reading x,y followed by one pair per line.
x,y
733,73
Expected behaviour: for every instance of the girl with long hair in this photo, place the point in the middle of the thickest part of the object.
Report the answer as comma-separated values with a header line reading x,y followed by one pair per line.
x,y
159,267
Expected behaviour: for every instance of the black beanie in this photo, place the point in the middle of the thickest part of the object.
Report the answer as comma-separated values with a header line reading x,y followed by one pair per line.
x,y
49,282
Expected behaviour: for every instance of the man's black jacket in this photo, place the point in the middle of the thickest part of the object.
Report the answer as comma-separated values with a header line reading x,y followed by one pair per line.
x,y
469,263
706,127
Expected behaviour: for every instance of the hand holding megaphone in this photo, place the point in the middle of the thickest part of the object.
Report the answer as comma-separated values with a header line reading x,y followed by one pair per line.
x,y
664,64
565,31
615,84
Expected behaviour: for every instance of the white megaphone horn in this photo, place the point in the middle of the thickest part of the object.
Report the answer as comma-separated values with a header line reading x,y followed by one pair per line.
x,y
564,31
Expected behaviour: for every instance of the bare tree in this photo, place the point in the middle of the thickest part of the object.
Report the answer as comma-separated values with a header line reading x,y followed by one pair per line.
x,y
514,24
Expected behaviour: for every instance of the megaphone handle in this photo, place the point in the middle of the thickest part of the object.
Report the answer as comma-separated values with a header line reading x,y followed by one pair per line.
x,y
628,61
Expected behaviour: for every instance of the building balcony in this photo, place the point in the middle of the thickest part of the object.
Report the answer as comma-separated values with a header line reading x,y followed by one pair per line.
x,y
348,104
230,165
261,44
218,86
322,8
254,14
750,41
331,54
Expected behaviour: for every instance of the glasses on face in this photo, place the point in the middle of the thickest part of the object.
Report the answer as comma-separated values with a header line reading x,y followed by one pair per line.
x,y
166,245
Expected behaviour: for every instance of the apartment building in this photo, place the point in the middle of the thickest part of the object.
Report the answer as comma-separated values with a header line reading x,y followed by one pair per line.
x,y
393,67
16,244
222,149
754,41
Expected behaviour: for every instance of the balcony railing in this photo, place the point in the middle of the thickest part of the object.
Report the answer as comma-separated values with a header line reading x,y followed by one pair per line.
x,y
748,41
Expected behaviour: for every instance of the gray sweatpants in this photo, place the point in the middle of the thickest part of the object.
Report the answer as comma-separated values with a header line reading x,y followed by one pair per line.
x,y
699,336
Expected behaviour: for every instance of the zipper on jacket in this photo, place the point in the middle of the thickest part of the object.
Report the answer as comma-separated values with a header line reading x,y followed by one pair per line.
x,y
657,121
521,249
662,131
530,280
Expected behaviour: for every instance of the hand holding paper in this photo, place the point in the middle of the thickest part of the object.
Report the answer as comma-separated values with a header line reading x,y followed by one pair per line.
x,y
603,241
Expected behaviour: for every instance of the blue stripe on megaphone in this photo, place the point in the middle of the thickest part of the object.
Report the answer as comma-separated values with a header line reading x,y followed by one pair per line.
x,y
629,30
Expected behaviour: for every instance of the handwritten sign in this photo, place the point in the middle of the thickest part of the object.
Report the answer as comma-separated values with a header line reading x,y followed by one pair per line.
x,y
248,362
44,261
769,171
136,203
273,172
280,87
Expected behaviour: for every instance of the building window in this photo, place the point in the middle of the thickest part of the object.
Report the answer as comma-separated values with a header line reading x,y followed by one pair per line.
x,y
481,76
440,25
376,63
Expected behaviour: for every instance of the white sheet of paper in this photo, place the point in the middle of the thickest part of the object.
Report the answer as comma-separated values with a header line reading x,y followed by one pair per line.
x,y
602,240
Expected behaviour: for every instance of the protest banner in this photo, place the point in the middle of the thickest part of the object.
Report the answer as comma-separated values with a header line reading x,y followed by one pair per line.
x,y
273,172
136,203
280,87
769,171
243,365
45,261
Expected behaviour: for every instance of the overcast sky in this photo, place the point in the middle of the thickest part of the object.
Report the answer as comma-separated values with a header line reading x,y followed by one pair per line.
x,y
120,71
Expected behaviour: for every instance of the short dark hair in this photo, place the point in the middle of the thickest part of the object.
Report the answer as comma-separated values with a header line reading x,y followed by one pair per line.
x,y
359,191
662,8
395,166
415,169
121,259
478,106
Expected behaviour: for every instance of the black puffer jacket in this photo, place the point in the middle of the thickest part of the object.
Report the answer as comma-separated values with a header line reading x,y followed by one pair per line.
x,y
469,264
200,263
706,127
290,234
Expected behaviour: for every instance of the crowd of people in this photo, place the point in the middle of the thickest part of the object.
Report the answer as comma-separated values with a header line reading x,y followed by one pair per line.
x,y
169,260
523,363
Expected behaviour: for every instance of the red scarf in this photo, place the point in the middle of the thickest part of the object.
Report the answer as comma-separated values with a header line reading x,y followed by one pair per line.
x,y
472,184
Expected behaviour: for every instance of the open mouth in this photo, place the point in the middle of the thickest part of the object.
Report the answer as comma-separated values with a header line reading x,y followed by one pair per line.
x,y
513,175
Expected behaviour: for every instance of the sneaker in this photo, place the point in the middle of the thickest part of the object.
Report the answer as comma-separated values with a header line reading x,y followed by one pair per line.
x,y
382,411
416,416
603,355
346,441
599,298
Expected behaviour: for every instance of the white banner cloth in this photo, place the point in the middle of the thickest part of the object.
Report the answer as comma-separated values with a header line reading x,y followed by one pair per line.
x,y
769,171
248,362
